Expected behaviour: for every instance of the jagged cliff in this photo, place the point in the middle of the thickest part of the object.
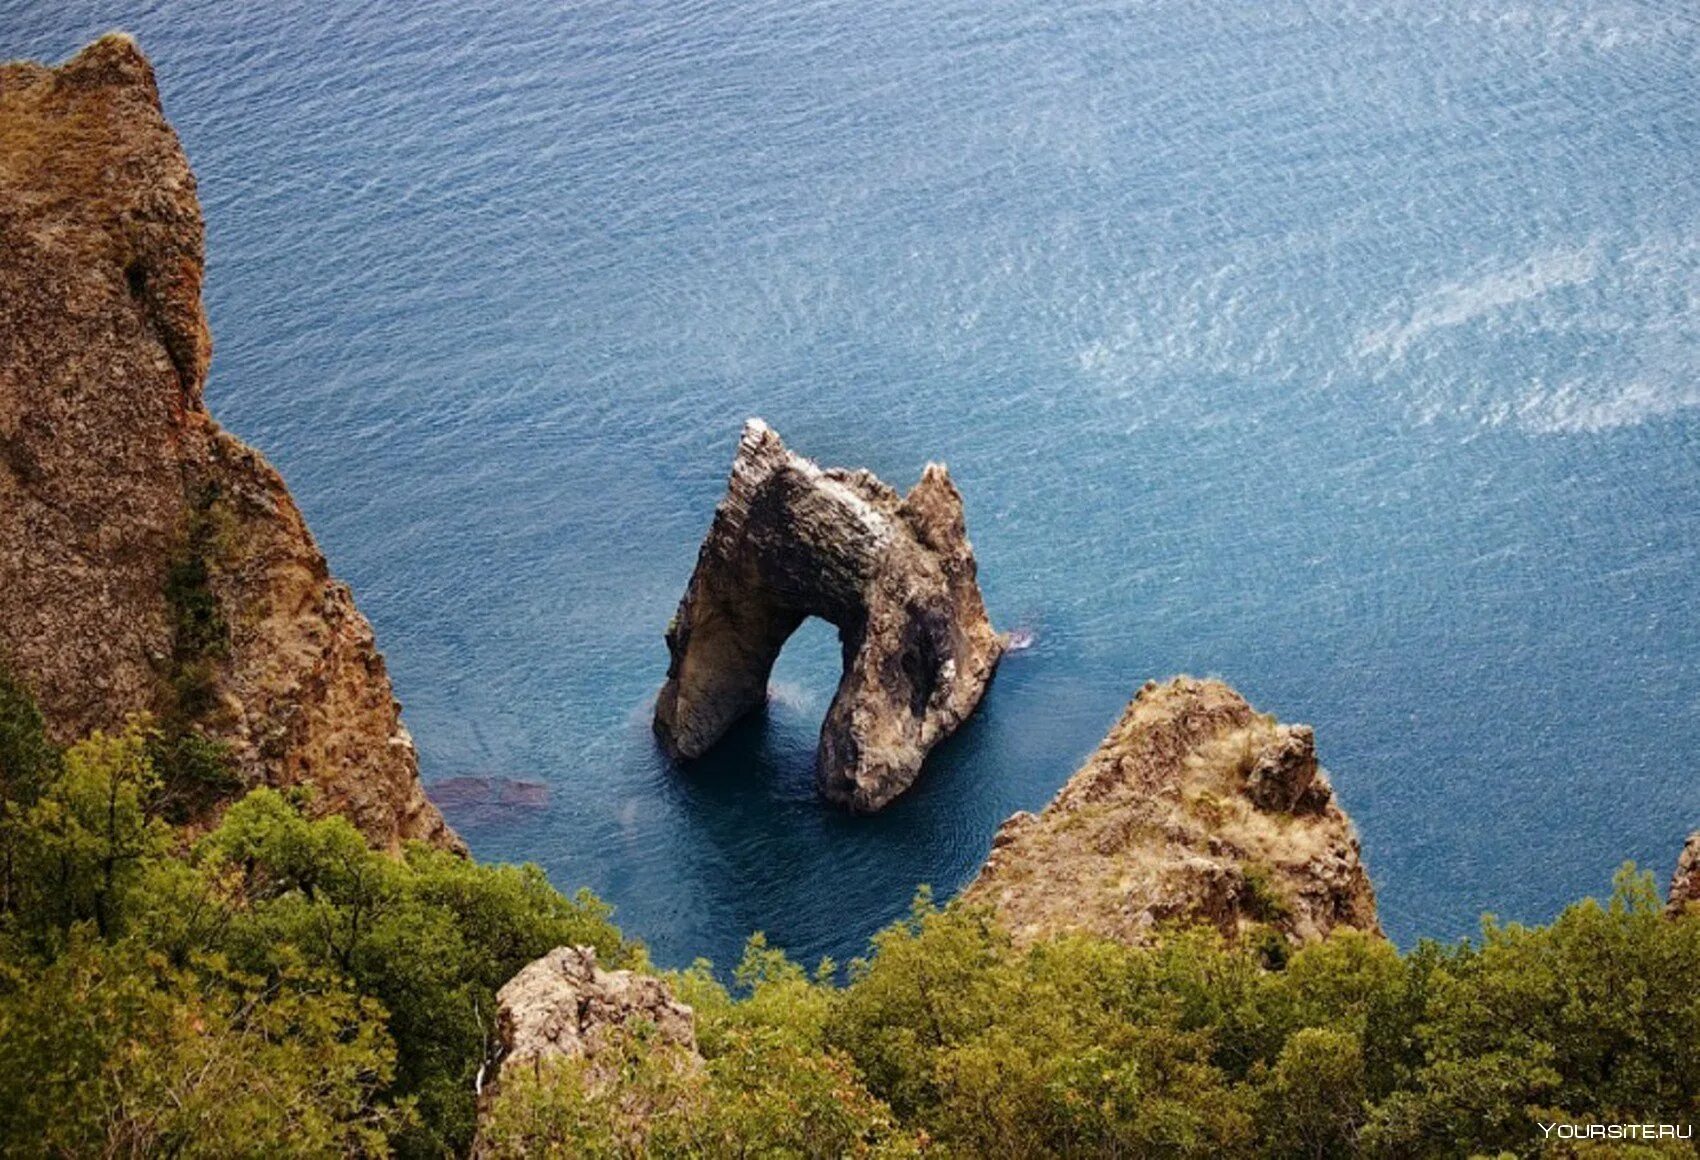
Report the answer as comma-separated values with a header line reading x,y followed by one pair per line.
x,y
1195,807
148,560
896,576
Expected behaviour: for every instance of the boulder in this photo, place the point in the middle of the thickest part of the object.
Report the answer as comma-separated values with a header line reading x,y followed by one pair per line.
x,y
564,1006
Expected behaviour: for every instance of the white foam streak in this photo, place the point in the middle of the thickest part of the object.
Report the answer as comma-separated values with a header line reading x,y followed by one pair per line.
x,y
1574,408
1461,302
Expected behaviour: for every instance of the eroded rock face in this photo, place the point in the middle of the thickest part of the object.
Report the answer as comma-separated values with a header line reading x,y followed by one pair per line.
x,y
1685,883
148,560
1195,807
895,575
563,1006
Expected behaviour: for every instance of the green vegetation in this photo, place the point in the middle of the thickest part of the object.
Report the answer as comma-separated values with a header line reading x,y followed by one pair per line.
x,y
195,771
953,1042
279,988
200,634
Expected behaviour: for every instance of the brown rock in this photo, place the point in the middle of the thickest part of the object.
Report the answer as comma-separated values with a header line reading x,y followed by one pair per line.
x,y
1685,883
115,483
1283,776
895,574
1195,807
563,1006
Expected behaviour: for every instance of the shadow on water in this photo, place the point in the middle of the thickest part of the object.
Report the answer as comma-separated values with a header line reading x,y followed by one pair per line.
x,y
761,759
817,879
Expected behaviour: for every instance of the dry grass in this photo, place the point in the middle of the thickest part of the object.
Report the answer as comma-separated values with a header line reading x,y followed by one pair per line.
x,y
1157,824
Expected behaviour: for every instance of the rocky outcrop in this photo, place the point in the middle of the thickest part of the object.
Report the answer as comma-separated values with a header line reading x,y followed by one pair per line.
x,y
896,576
148,560
1685,883
564,1006
1195,808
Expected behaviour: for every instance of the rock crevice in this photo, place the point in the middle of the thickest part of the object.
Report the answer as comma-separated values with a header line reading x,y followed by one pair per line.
x,y
894,574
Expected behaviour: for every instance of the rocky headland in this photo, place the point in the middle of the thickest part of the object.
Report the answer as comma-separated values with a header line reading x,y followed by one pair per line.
x,y
1195,808
895,574
149,561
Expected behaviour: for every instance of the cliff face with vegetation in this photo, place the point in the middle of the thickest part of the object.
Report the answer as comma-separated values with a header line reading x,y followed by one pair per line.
x,y
1195,807
148,560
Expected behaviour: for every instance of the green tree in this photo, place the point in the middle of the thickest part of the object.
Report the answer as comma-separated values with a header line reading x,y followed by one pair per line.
x,y
85,843
1593,1018
111,1052
27,764
431,936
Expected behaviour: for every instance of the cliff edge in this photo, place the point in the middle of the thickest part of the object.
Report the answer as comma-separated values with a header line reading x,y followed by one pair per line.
x,y
148,560
1195,808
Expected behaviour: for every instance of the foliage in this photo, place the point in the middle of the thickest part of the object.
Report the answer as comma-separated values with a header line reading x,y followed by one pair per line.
x,y
26,757
431,936
281,988
195,771
965,1045
27,764
760,1094
200,634
271,930
84,845
109,1051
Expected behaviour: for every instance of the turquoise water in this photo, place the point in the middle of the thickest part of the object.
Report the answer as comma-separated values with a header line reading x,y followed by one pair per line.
x,y
1348,351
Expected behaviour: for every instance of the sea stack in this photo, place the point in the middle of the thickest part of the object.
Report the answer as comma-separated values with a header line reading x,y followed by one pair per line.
x,y
149,562
1195,808
895,574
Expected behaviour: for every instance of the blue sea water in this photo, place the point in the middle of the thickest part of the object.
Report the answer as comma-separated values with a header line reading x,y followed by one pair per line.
x,y
1348,351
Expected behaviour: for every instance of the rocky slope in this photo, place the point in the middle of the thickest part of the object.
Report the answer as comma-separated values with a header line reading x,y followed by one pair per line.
x,y
1195,807
895,574
148,560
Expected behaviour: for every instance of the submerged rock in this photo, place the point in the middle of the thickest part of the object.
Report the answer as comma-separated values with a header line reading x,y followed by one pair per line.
x,y
1195,807
896,576
1685,883
490,801
148,560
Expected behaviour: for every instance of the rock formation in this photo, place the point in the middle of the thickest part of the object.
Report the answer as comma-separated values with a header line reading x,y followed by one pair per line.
x,y
895,575
148,560
1685,883
563,1006
1195,807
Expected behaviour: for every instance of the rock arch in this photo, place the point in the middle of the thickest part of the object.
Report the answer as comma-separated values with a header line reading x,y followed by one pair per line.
x,y
895,575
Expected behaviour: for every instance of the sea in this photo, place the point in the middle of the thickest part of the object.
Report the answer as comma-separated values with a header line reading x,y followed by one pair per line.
x,y
1348,351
